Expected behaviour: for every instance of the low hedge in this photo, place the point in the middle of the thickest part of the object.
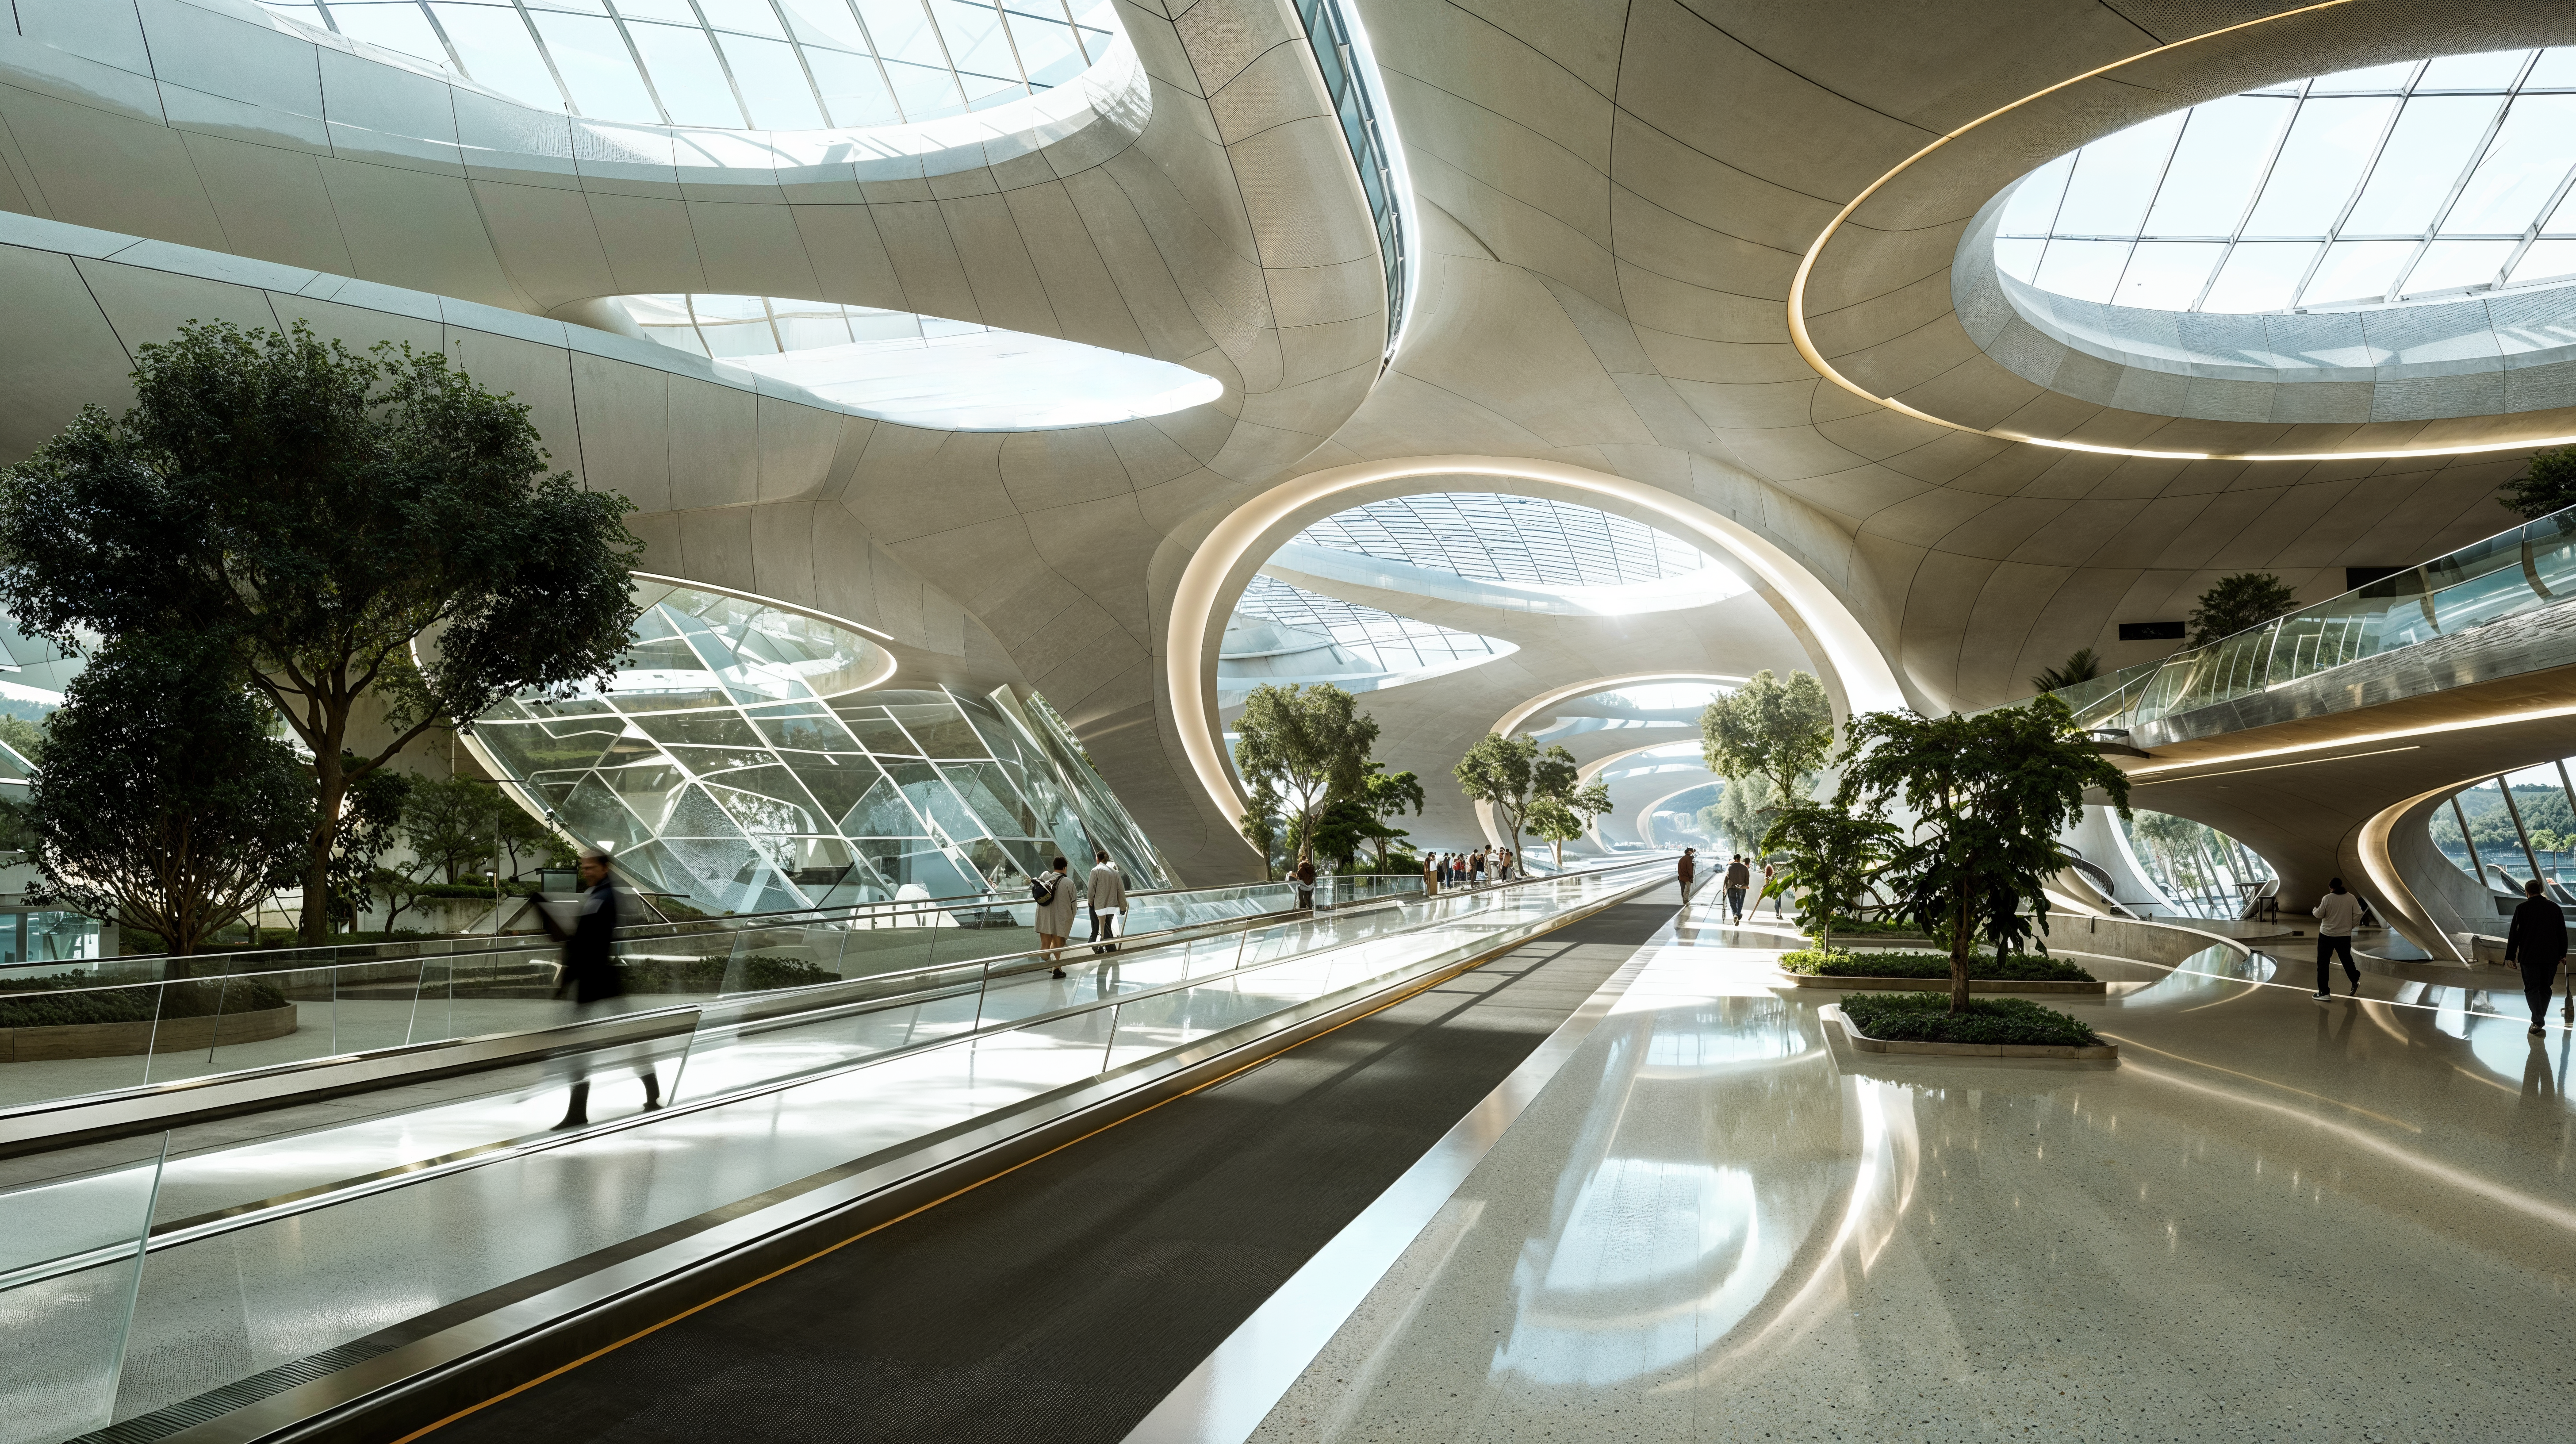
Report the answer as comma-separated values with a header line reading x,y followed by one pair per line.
x,y
2013,968
761,972
51,1003
1926,1018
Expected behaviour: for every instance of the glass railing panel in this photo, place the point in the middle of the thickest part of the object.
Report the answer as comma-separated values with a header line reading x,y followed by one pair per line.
x,y
69,1264
2550,545
2489,596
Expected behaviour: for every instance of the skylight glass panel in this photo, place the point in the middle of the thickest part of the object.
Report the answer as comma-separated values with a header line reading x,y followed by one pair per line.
x,y
2167,275
2368,187
2115,177
1397,644
2223,152
2260,276
791,64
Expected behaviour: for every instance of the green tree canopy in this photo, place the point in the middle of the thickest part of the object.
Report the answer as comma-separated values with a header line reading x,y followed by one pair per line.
x,y
1778,731
1260,825
1511,774
1308,745
2547,483
1990,792
163,802
1829,856
1743,809
1558,820
1389,795
315,513
2247,599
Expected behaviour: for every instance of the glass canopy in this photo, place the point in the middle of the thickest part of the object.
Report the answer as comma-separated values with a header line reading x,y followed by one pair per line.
x,y
922,370
744,762
757,64
2424,179
1518,553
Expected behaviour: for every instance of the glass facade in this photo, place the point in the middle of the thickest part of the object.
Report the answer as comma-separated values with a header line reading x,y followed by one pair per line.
x,y
2426,178
922,370
2202,872
2508,829
1349,71
741,64
745,760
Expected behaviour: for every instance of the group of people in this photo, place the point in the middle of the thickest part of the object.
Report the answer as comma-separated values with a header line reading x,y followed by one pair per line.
x,y
1738,882
1468,869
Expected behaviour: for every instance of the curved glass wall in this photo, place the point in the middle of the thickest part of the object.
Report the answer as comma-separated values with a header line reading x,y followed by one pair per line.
x,y
755,64
2511,828
745,760
1519,553
2202,872
922,370
2436,178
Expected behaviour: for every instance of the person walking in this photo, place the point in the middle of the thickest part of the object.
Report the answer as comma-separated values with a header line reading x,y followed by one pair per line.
x,y
1769,869
2337,913
590,977
1739,876
1108,899
1689,871
2537,939
1303,880
1430,875
1053,892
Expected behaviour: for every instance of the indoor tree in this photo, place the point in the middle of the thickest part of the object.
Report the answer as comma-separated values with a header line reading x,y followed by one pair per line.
x,y
2247,599
163,803
2080,666
1828,857
1513,774
1389,795
1990,792
318,513
1777,731
1259,825
1307,746
2547,483
1559,820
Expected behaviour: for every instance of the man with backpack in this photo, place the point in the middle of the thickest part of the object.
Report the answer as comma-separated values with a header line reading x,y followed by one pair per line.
x,y
1053,892
1108,901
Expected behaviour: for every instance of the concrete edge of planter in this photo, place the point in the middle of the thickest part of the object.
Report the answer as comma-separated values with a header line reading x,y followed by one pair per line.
x,y
2095,988
2103,1052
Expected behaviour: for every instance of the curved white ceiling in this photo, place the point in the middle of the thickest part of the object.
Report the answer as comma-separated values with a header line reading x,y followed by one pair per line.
x,y
922,370
746,64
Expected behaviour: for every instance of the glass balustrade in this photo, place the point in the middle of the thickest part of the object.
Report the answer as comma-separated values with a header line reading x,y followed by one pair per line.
x,y
2512,574
108,1274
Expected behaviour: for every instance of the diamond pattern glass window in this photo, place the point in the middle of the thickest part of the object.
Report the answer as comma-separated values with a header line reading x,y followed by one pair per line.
x,y
2437,178
1520,540
922,370
756,64
744,761
1397,644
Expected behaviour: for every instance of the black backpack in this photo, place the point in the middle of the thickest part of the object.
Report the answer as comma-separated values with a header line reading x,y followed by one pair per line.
x,y
1043,893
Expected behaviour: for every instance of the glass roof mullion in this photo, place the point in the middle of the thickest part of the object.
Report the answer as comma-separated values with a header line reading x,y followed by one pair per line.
x,y
546,55
2164,172
724,63
945,54
2548,208
2253,197
449,45
1076,27
2451,198
877,55
1012,40
645,73
2361,183
796,48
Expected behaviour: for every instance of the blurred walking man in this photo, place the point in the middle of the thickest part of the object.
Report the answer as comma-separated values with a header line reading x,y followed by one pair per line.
x,y
2537,939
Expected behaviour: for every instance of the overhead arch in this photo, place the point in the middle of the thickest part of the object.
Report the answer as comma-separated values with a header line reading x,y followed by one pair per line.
x,y
1237,546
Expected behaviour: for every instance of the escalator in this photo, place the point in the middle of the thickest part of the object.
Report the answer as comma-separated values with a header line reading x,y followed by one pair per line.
x,y
389,1225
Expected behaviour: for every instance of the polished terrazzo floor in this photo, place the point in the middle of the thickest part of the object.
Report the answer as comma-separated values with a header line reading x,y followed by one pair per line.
x,y
2274,1218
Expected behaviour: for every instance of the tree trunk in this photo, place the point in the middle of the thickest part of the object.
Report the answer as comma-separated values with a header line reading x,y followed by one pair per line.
x,y
330,787
1959,958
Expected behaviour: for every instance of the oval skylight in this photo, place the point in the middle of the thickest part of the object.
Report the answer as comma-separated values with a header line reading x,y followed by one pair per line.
x,y
921,370
2424,180
1283,635
1519,553
756,64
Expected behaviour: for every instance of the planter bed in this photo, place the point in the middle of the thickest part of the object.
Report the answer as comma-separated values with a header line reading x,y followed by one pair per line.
x,y
1921,1023
1920,971
120,1040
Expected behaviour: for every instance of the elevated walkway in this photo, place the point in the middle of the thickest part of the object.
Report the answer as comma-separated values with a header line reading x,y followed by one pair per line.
x,y
219,1266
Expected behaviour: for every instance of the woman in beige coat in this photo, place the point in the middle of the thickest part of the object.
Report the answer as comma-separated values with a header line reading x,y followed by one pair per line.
x,y
1055,911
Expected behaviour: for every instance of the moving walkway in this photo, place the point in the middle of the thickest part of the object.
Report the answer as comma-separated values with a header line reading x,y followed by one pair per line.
x,y
213,1262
